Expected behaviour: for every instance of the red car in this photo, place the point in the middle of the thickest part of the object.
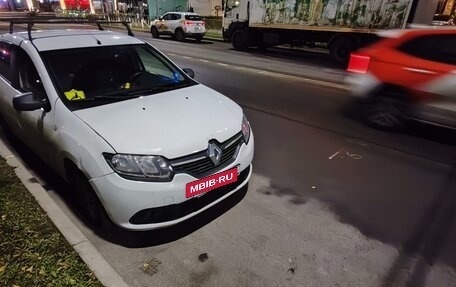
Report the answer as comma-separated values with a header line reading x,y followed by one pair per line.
x,y
408,75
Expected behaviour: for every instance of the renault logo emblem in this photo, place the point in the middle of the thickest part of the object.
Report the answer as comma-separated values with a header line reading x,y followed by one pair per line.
x,y
214,152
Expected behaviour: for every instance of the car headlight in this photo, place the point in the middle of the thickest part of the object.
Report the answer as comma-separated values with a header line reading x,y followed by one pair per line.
x,y
140,167
245,127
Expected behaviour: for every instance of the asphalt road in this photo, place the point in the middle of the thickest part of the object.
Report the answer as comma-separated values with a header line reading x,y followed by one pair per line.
x,y
331,203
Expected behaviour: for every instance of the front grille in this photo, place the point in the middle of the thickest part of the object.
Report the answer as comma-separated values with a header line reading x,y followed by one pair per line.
x,y
200,165
175,211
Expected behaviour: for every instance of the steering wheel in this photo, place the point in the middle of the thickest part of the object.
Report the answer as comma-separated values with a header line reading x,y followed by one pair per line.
x,y
134,77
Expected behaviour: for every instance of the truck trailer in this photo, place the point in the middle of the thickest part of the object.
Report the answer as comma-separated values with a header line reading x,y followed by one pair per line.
x,y
341,25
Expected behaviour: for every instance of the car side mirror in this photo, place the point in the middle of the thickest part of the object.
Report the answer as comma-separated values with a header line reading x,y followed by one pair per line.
x,y
30,102
160,18
189,72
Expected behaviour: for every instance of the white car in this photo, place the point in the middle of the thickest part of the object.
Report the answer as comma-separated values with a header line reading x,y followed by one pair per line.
x,y
141,142
179,25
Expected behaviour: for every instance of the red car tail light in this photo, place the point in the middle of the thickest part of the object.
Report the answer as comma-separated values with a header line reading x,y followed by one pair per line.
x,y
188,23
358,64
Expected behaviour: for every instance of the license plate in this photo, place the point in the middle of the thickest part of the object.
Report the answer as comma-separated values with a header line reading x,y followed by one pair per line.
x,y
197,28
210,183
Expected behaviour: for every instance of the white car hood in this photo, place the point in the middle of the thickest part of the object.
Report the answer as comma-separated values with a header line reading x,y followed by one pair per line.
x,y
170,124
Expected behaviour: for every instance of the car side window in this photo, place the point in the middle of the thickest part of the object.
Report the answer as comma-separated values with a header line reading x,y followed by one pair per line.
x,y
176,16
167,17
438,48
29,79
5,60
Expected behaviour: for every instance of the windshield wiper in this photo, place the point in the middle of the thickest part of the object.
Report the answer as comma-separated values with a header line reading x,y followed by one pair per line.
x,y
164,88
131,94
118,97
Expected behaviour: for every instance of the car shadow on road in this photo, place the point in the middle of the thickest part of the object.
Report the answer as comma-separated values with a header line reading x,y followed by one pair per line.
x,y
426,243
431,239
353,110
114,234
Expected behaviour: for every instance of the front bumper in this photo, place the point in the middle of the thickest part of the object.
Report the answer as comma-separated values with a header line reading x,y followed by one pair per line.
x,y
136,205
362,85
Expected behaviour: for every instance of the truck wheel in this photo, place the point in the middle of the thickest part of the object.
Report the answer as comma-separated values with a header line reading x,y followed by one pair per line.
x,y
154,32
239,40
340,50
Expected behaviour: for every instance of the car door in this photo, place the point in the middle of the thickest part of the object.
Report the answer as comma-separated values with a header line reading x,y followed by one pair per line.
x,y
163,23
7,92
430,67
37,127
175,22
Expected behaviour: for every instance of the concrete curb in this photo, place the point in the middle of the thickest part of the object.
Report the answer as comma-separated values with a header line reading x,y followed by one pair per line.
x,y
88,253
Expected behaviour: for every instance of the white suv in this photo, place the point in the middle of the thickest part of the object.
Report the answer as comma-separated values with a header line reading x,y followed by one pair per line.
x,y
179,25
141,142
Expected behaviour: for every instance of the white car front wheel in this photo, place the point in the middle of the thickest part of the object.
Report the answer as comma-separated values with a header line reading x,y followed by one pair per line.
x,y
154,32
89,203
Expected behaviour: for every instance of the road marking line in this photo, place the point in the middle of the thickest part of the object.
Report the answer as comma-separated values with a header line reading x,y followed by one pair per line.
x,y
337,152
351,155
242,68
171,54
307,80
296,78
278,75
272,74
354,155
358,143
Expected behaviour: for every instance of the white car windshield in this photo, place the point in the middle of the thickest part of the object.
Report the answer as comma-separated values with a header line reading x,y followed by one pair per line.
x,y
112,73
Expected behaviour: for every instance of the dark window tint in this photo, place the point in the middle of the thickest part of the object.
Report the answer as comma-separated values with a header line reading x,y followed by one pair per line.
x,y
438,48
167,17
29,79
176,16
442,18
5,52
115,72
193,17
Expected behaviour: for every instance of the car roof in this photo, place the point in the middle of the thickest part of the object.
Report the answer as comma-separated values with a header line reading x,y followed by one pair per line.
x,y
183,13
47,40
391,39
417,30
